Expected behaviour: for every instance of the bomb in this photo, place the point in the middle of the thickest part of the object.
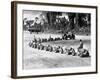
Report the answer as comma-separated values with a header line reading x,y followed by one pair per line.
x,y
41,47
83,53
46,48
38,46
50,48
66,50
71,51
56,50
61,50
45,40
35,45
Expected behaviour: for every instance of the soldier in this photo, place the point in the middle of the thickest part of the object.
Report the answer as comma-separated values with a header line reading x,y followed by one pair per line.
x,y
35,40
80,46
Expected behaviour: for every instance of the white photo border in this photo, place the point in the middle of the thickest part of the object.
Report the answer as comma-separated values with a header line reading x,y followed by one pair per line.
x,y
22,72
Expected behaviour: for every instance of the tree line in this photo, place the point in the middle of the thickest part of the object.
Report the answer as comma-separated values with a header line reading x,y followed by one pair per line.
x,y
75,22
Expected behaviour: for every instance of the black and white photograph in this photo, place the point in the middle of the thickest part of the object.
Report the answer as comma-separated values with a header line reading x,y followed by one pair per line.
x,y
54,39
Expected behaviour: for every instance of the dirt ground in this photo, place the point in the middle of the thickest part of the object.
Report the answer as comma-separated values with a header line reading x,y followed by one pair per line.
x,y
34,58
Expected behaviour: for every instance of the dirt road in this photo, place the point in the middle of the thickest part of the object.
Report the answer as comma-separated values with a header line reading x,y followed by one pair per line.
x,y
34,58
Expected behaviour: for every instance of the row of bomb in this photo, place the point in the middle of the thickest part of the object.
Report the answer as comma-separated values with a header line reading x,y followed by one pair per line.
x,y
58,49
46,40
49,39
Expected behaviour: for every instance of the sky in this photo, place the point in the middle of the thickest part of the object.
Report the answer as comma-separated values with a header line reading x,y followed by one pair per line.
x,y
30,14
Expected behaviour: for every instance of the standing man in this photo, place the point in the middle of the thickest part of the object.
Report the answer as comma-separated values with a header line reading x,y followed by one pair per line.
x,y
81,45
